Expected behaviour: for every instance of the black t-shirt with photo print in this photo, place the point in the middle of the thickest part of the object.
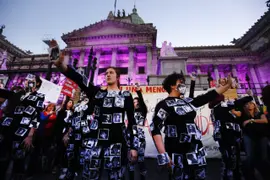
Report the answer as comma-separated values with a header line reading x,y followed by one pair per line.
x,y
176,114
109,110
26,115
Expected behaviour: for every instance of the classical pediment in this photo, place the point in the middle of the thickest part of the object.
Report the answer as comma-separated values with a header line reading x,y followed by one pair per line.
x,y
109,27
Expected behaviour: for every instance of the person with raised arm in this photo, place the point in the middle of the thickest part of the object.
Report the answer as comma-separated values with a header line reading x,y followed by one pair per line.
x,y
104,137
141,121
182,136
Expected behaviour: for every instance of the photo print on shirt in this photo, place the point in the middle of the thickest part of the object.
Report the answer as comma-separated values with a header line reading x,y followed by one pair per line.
x,y
7,121
108,102
100,95
34,124
141,134
162,114
29,110
103,134
191,129
19,110
177,159
32,98
21,131
91,143
85,130
172,131
115,149
180,102
117,118
179,110
84,123
202,160
185,138
119,101
192,158
94,125
187,108
170,102
95,152
162,159
107,119
40,104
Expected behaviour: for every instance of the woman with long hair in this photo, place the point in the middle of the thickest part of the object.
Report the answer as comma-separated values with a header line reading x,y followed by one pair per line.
x,y
255,130
103,135
182,152
61,124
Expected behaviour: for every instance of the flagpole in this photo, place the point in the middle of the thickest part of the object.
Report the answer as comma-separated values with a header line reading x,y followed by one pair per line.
x,y
115,2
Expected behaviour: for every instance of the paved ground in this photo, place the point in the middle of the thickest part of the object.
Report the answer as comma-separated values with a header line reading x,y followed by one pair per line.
x,y
155,173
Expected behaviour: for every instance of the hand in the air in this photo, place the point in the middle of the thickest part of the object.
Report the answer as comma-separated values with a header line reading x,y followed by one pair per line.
x,y
137,87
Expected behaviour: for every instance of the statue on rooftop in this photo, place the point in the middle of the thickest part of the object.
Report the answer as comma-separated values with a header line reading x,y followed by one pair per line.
x,y
167,50
1,29
118,13
124,13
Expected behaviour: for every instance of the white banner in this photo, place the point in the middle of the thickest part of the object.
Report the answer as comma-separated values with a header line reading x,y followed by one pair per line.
x,y
202,120
51,91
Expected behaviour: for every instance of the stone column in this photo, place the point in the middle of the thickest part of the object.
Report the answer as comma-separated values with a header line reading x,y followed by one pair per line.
x,y
216,72
98,52
254,77
149,60
198,68
114,56
131,63
81,60
234,72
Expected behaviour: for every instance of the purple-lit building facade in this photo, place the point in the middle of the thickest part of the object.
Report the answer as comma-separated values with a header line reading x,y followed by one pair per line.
x,y
127,42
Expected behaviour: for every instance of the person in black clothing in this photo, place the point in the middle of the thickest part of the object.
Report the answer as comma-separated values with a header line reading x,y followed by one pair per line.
x,y
18,127
99,136
228,134
266,98
61,124
255,135
178,114
140,117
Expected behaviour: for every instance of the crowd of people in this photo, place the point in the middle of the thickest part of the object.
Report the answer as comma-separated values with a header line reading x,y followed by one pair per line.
x,y
103,132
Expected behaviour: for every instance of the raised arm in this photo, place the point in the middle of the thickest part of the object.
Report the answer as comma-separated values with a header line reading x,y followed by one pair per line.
x,y
211,95
70,73
192,89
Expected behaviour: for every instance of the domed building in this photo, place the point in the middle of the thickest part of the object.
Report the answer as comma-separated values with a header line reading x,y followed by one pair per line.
x,y
127,42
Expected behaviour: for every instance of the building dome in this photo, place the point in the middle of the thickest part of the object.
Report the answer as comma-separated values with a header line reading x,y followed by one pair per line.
x,y
135,18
